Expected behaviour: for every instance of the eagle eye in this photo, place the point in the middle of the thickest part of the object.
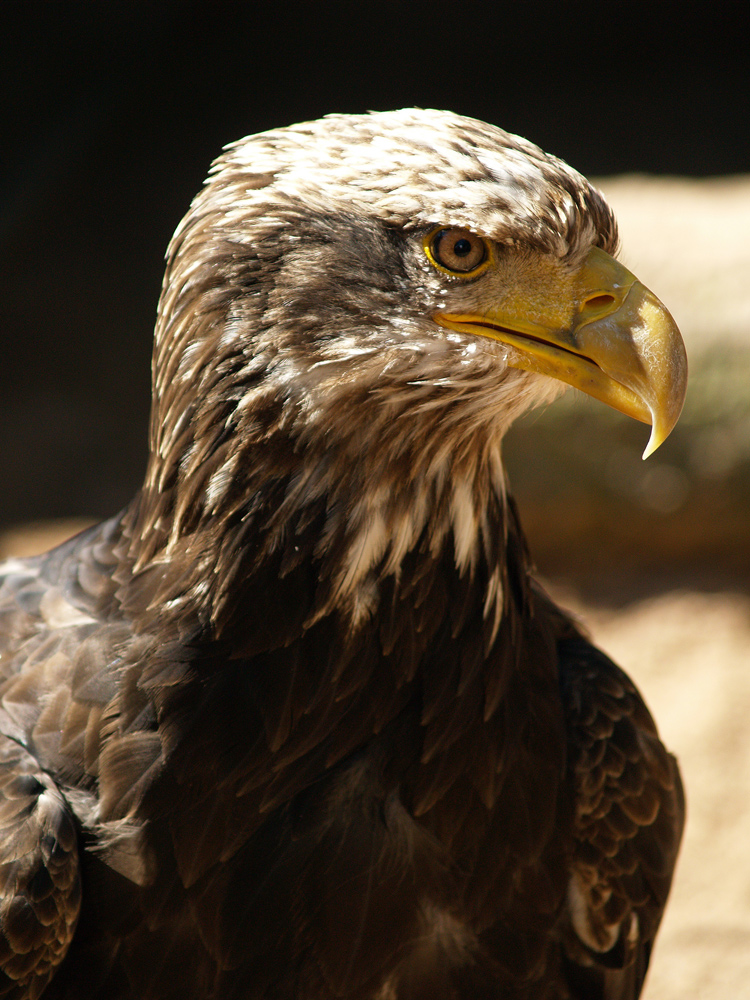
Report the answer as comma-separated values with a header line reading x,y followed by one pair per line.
x,y
455,250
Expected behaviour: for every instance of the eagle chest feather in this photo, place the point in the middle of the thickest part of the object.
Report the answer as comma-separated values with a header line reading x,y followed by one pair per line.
x,y
383,770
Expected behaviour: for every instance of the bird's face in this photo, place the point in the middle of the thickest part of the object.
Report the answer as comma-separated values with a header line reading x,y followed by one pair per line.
x,y
372,267
589,323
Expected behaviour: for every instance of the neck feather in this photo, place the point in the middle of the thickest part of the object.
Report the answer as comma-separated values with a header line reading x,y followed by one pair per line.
x,y
352,485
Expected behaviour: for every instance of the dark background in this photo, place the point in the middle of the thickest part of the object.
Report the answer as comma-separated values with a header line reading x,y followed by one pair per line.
x,y
112,112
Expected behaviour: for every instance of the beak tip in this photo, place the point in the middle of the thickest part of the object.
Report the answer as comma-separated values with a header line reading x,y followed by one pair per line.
x,y
663,423
654,442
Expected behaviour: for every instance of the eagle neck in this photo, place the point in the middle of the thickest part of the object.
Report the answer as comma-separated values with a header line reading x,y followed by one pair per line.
x,y
340,526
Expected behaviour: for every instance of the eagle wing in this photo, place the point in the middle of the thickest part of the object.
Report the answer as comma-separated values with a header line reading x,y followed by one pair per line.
x,y
62,656
628,815
39,873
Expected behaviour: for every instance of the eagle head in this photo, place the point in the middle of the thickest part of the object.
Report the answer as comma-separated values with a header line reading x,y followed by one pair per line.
x,y
357,308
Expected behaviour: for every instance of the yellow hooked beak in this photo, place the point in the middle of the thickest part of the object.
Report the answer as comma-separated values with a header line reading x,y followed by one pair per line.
x,y
598,329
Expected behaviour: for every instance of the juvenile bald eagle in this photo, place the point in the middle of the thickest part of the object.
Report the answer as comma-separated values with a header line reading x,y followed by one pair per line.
x,y
297,724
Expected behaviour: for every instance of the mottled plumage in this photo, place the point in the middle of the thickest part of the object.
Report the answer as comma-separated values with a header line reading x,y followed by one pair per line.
x,y
298,723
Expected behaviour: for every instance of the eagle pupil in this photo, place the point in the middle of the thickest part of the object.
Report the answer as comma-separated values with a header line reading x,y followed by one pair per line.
x,y
461,248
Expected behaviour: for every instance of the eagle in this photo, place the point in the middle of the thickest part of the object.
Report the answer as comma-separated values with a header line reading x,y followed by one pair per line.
x,y
299,722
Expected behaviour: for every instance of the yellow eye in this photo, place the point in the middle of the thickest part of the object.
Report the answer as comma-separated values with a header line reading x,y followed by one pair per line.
x,y
458,251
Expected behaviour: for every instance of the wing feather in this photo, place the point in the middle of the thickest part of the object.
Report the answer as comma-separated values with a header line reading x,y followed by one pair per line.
x,y
40,890
628,819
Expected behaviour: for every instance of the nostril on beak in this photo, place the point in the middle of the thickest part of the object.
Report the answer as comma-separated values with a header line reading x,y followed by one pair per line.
x,y
597,307
599,302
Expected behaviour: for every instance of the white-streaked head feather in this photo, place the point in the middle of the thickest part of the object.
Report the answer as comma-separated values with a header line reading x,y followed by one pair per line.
x,y
298,307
